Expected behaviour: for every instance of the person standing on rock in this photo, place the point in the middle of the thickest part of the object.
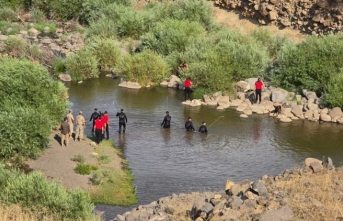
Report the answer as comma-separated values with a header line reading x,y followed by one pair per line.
x,y
203,128
70,119
189,125
188,90
258,90
106,124
80,126
94,116
99,129
65,132
166,121
122,120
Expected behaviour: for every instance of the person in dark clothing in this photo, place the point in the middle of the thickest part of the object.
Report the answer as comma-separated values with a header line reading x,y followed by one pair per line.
x,y
258,90
189,125
94,116
122,120
188,89
203,128
166,121
99,129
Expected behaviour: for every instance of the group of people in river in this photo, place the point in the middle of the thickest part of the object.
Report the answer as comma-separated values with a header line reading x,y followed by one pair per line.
x,y
188,125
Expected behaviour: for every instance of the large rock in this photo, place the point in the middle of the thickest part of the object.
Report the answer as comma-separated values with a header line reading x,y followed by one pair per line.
x,y
129,84
327,163
286,120
33,32
236,102
174,81
309,161
312,106
247,111
298,111
310,94
242,107
242,86
195,103
336,113
259,188
164,83
325,117
251,82
279,95
285,213
64,77
224,102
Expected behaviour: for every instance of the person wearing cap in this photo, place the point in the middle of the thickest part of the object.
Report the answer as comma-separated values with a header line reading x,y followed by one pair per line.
x,y
122,120
65,132
80,126
70,119
258,90
166,121
94,116
106,123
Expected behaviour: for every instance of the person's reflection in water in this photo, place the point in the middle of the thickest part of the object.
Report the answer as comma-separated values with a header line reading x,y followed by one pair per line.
x,y
166,136
257,131
122,142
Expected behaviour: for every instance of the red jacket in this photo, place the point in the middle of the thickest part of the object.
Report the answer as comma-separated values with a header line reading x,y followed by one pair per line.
x,y
258,85
188,83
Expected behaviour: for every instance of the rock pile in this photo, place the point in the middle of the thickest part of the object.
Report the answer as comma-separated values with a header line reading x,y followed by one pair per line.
x,y
263,199
309,16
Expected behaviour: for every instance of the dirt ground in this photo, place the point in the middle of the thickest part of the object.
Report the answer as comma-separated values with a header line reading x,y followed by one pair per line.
x,y
233,19
57,164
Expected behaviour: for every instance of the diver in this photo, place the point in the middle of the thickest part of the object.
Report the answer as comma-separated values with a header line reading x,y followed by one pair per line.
x,y
122,120
203,128
189,125
94,116
166,121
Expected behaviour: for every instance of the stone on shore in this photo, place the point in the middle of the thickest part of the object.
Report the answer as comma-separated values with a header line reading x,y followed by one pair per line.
x,y
129,84
285,213
64,77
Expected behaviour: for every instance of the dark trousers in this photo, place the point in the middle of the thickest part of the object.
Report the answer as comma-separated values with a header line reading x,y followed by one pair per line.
x,y
187,93
122,125
98,135
166,126
106,130
258,94
93,126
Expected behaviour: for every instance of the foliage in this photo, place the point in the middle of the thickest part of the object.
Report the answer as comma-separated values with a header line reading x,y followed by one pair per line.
x,y
34,191
82,65
309,65
41,25
25,94
104,159
15,4
8,28
79,158
333,96
7,14
38,15
58,66
106,51
19,48
85,169
146,68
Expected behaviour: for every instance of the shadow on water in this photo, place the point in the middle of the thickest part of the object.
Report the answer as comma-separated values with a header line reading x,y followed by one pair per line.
x,y
174,161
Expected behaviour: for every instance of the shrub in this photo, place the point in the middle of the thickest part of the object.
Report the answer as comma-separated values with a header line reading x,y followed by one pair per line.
x,y
333,96
85,169
19,48
65,9
7,14
104,159
106,51
79,158
58,66
34,191
146,67
15,4
82,65
41,25
38,15
28,98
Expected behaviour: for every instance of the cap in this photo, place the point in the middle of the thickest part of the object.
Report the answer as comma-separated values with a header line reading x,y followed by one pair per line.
x,y
80,112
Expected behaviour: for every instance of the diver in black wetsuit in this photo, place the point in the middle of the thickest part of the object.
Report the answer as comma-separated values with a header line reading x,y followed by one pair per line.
x,y
94,116
203,128
166,121
122,120
189,125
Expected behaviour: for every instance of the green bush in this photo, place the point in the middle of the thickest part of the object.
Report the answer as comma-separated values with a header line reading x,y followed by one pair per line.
x,y
79,158
85,169
106,51
19,48
333,92
58,66
16,4
146,68
104,159
82,65
7,14
35,192
29,98
41,25
38,15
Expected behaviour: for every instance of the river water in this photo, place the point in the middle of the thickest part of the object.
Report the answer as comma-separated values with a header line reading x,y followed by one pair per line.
x,y
174,161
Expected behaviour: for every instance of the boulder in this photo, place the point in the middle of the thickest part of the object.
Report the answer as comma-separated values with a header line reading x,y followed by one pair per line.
x,y
310,94
259,188
257,108
195,103
310,160
242,107
224,101
64,77
251,82
243,116
247,111
242,86
325,117
273,15
312,106
316,167
228,184
327,163
297,111
279,95
174,81
241,95
336,113
33,32
164,83
286,120
285,213
236,102
308,114
239,188
129,84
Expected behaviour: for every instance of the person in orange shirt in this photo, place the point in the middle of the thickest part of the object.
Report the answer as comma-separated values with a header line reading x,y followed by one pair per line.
x,y
188,90
99,129
258,90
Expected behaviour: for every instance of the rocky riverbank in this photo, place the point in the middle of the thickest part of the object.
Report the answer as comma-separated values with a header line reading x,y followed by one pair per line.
x,y
312,191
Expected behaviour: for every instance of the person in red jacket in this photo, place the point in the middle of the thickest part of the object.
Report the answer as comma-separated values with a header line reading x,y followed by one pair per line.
x,y
188,89
99,129
258,90
106,124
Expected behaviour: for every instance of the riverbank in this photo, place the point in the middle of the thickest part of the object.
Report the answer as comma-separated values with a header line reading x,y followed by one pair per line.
x,y
307,192
111,180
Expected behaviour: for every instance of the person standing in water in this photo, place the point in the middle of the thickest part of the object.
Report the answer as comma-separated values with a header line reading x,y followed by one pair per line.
x,y
203,128
189,125
122,120
166,121
188,90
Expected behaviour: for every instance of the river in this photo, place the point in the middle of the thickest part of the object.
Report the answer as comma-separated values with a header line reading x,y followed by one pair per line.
x,y
174,161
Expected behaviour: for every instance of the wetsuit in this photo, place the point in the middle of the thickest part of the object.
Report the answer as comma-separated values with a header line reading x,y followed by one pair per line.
x,y
166,122
122,121
189,126
203,129
94,116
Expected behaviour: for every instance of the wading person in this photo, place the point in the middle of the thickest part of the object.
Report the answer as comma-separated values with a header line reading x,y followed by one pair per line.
x,y
70,119
166,121
94,116
106,124
122,120
189,125
80,126
99,130
258,90
203,128
65,132
188,90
